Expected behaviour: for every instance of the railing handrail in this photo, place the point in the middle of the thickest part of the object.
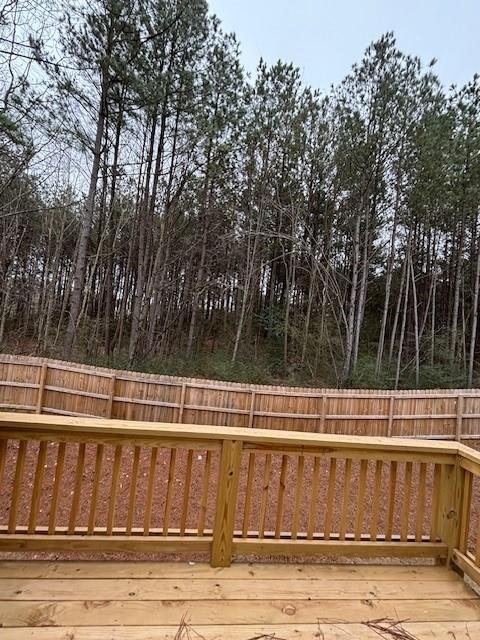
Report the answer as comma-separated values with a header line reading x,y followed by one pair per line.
x,y
266,437
468,453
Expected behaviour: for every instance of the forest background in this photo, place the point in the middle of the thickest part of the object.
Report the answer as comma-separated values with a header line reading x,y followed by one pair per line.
x,y
163,211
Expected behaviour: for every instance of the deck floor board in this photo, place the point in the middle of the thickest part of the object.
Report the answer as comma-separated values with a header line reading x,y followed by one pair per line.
x,y
147,601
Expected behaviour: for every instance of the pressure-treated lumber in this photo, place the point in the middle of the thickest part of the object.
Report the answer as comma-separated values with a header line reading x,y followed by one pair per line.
x,y
233,589
148,600
74,569
326,631
292,465
113,543
75,428
226,501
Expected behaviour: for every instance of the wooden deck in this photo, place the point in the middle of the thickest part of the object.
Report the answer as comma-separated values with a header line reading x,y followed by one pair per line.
x,y
139,601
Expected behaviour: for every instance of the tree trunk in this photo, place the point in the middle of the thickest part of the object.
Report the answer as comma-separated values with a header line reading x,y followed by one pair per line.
x,y
86,223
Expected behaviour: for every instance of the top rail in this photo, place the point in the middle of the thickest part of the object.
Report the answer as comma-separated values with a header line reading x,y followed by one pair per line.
x,y
73,426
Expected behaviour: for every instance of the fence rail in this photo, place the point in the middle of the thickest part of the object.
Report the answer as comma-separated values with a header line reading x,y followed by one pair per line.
x,y
105,485
55,387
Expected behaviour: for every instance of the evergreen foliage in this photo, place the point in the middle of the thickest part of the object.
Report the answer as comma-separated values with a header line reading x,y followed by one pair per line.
x,y
160,209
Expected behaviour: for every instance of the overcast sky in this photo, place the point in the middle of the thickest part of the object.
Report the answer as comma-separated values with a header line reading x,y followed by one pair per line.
x,y
325,37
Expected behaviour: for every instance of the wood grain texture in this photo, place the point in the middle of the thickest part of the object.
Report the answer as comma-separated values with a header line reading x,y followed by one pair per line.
x,y
228,479
326,631
146,601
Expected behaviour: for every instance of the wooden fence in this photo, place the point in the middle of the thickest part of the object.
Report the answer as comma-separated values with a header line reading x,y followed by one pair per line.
x,y
55,387
106,485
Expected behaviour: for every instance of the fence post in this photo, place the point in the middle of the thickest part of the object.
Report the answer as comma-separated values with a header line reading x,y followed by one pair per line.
x,y
324,411
41,387
226,504
391,406
252,409
458,429
182,402
111,395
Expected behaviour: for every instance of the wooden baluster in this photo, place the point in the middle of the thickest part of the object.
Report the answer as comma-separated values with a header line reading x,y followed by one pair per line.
x,y
205,488
77,488
422,477
407,492
17,486
37,486
361,499
437,474
313,500
248,493
281,496
226,505
168,497
117,460
133,490
41,387
377,491
56,487
298,496
186,493
465,513
150,486
332,473
345,499
265,488
391,500
95,488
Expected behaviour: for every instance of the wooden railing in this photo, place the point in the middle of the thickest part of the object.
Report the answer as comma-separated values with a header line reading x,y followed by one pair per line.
x,y
70,484
465,542
53,387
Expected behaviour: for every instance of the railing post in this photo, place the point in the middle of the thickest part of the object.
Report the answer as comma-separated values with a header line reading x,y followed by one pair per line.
x,y
450,506
226,504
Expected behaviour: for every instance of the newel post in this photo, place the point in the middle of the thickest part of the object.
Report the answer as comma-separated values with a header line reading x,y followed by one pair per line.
x,y
228,476
451,506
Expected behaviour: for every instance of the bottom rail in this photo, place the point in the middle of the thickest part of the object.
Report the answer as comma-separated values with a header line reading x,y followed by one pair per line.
x,y
114,544
462,562
190,544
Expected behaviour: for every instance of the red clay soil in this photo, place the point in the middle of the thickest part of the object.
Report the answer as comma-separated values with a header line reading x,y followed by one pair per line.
x,y
195,493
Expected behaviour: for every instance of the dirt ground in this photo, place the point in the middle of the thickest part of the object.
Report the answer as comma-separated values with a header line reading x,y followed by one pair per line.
x,y
265,488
